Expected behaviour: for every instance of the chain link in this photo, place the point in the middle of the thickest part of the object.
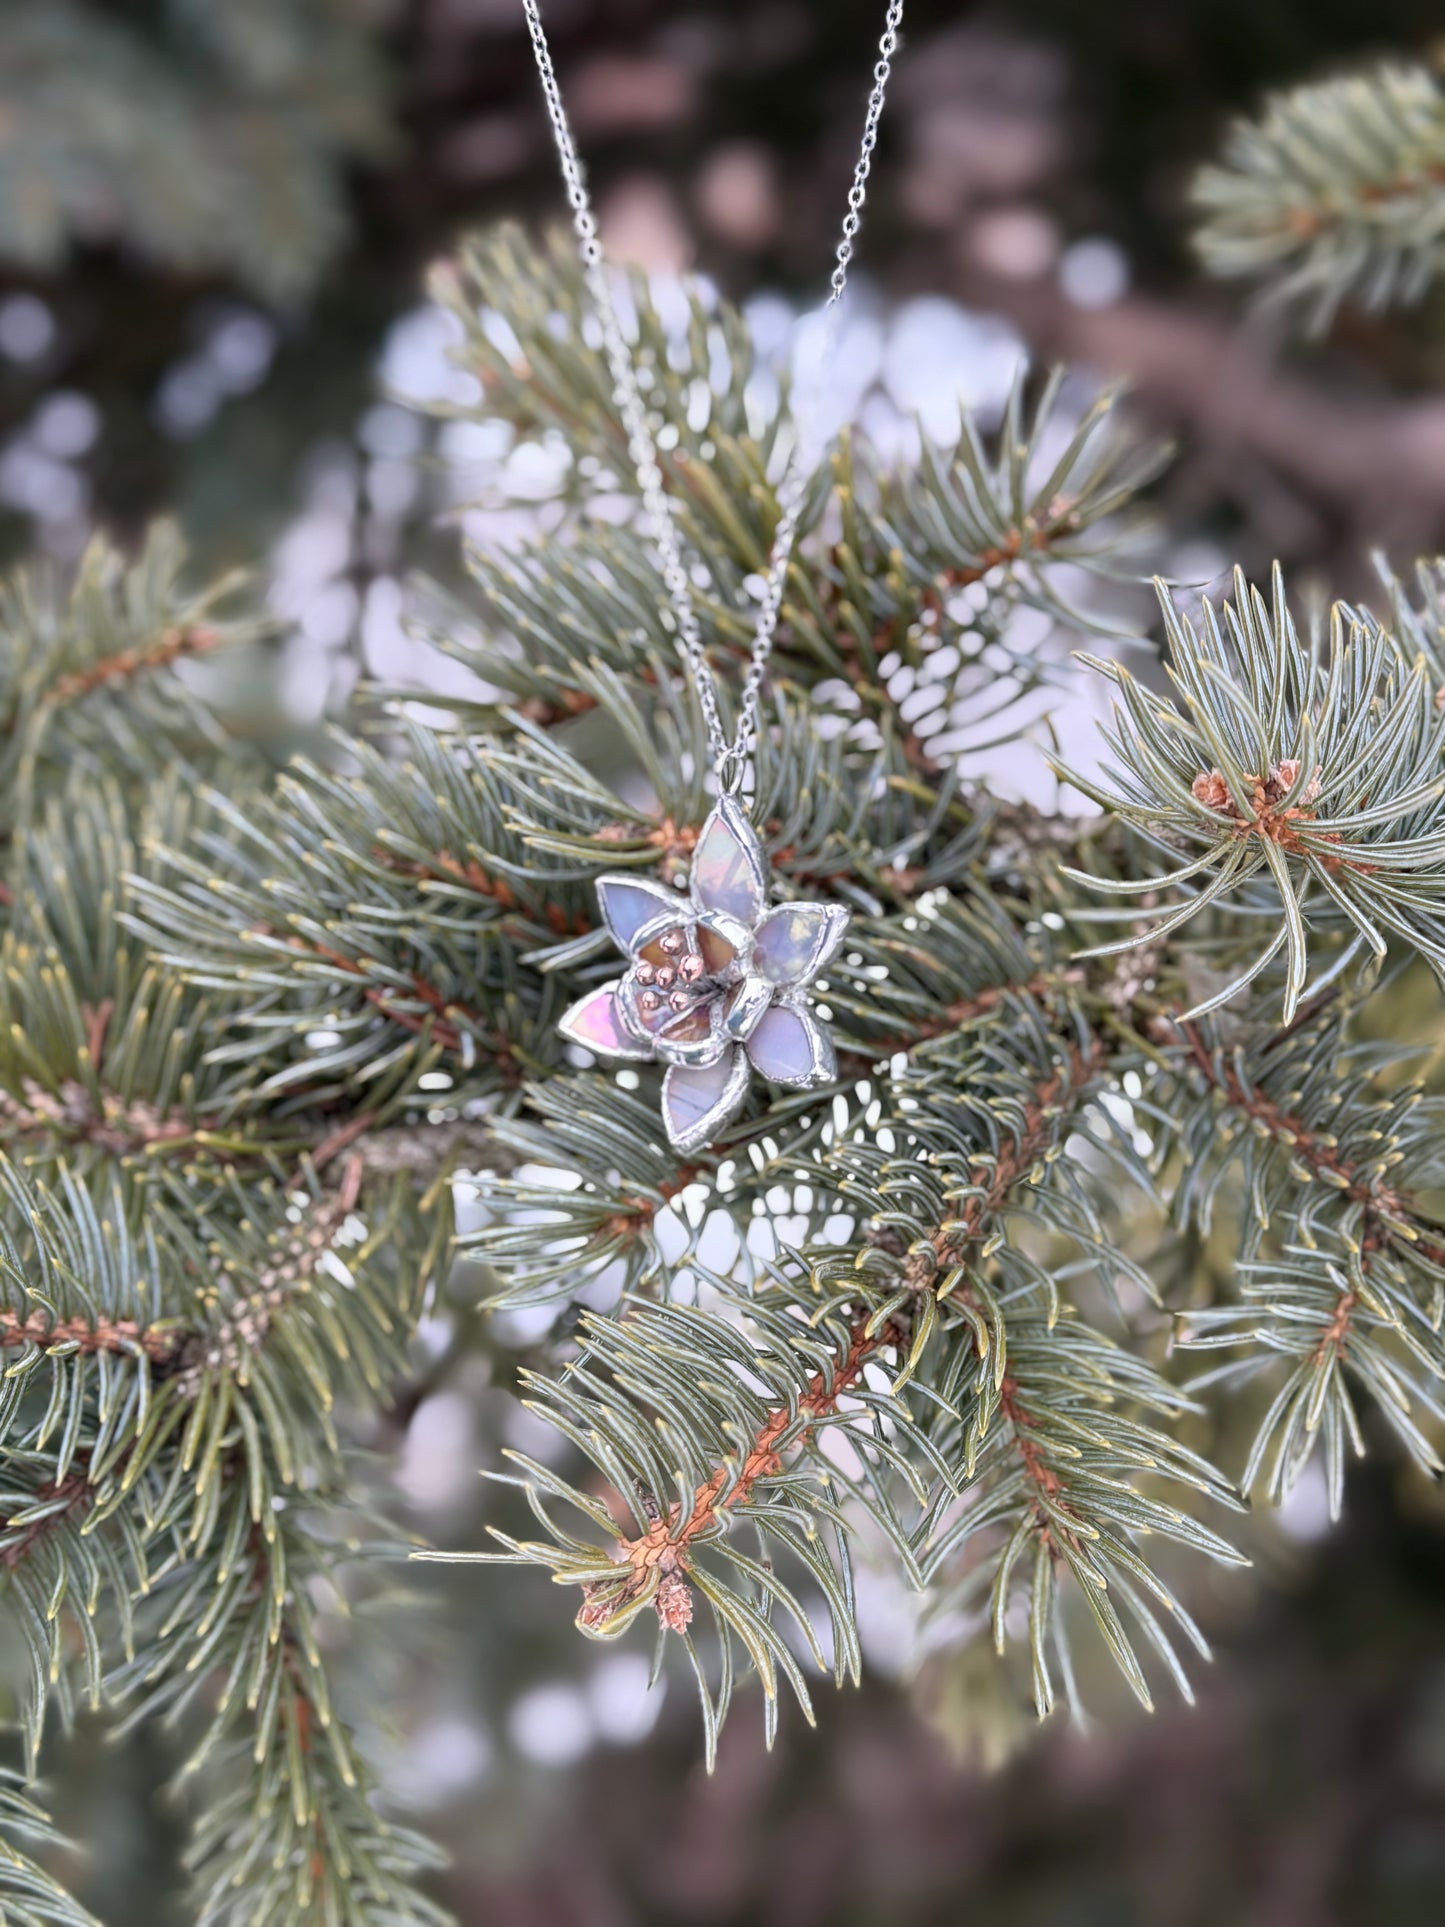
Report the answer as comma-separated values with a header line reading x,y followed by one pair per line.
x,y
730,758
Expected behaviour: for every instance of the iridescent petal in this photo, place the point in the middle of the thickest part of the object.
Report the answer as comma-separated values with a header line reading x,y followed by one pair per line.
x,y
791,1047
797,939
630,904
698,1103
729,870
597,1022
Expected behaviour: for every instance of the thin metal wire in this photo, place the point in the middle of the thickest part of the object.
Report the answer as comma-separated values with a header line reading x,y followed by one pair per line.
x,y
730,758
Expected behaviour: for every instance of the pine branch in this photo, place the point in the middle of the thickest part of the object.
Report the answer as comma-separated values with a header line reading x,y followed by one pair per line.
x,y
1419,623
1350,1287
419,1006
104,1119
247,1037
1300,784
124,1336
29,1895
50,1508
62,1568
1335,192
660,1559
183,1447
294,1264
1067,1483
1386,1211
651,1386
86,669
230,151
664,1547
288,1827
900,588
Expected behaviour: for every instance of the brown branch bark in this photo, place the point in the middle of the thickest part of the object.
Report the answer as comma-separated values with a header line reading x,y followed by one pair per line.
x,y
1030,539
444,868
1013,1165
1041,1476
952,1017
124,1336
1381,1204
171,646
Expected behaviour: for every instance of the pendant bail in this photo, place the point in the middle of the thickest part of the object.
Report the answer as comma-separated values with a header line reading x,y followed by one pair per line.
x,y
731,769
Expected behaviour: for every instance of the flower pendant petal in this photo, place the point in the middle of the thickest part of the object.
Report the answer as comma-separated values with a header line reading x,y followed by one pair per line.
x,y
797,940
599,1022
698,1103
791,1047
729,870
714,987
630,904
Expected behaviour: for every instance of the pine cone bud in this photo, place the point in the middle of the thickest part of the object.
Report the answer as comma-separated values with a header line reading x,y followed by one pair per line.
x,y
674,1602
1211,789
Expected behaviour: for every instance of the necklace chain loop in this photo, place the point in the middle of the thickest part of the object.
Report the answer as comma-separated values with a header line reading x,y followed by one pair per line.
x,y
730,758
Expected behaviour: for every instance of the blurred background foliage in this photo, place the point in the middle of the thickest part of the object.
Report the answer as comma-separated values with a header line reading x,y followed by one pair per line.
x,y
214,225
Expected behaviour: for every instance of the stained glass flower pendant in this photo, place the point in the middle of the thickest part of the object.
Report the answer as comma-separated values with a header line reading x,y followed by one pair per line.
x,y
716,983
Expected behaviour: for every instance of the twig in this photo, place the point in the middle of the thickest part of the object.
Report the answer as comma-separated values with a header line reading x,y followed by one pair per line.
x,y
172,645
127,1336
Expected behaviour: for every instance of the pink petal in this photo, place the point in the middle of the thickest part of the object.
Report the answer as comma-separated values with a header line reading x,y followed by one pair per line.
x,y
797,939
729,870
596,1022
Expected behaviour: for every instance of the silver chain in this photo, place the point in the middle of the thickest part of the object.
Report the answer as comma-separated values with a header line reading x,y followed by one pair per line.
x,y
730,758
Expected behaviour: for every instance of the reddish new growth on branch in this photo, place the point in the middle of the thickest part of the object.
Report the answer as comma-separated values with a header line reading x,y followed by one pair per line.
x,y
1269,816
1267,794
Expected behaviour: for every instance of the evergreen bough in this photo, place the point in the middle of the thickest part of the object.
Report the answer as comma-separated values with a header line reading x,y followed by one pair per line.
x,y
205,137
259,1027
1336,192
